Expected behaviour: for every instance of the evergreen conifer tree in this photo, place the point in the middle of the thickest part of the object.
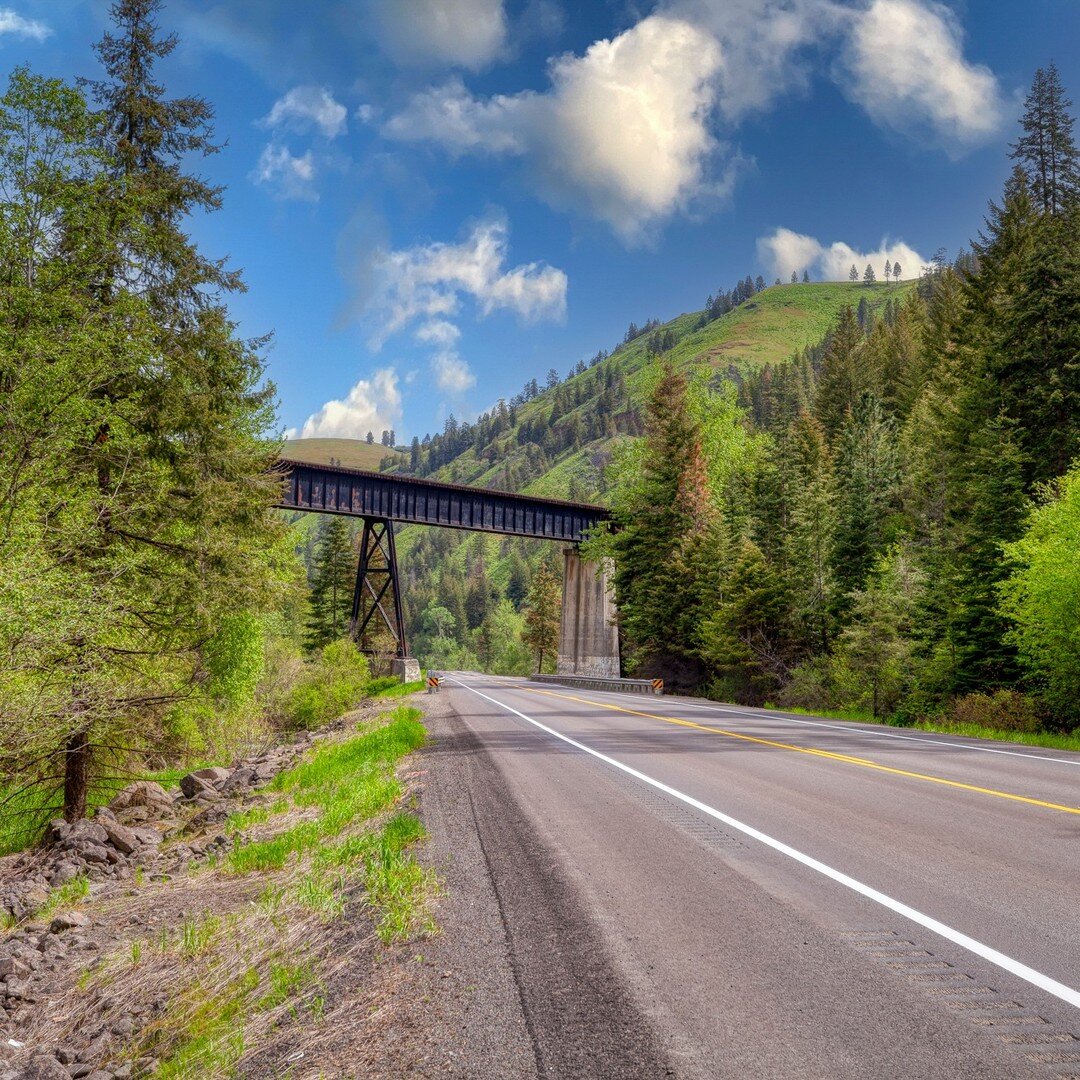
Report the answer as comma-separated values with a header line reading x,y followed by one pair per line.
x,y
542,613
843,376
332,582
1047,149
165,485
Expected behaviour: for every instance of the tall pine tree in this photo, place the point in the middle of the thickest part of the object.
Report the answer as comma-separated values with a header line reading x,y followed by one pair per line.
x,y
333,576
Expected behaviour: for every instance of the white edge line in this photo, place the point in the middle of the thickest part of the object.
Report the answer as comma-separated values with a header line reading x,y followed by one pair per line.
x,y
760,714
998,959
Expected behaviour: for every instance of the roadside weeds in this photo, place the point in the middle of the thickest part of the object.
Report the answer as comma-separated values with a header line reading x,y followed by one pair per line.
x,y
259,959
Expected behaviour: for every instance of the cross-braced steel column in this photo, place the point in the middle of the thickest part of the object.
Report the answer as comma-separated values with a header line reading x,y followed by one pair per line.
x,y
375,577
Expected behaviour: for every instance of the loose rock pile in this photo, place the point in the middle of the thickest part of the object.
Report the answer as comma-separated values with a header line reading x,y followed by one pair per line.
x,y
145,828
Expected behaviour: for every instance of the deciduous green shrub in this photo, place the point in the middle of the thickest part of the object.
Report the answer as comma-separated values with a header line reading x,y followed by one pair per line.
x,y
334,683
1003,710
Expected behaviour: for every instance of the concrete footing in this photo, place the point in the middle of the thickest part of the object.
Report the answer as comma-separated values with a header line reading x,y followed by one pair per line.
x,y
406,669
588,637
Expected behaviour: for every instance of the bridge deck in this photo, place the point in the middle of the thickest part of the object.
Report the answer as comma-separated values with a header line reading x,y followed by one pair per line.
x,y
333,489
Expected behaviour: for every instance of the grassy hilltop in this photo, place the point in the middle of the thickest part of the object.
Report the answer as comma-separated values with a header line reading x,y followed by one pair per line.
x,y
352,453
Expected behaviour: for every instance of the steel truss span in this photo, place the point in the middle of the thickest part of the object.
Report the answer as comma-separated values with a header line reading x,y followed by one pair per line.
x,y
332,489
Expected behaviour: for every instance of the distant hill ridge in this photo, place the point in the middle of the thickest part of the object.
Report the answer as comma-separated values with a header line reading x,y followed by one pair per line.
x,y
352,453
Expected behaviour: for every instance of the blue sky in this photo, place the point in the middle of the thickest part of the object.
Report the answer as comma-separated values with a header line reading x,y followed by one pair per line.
x,y
434,201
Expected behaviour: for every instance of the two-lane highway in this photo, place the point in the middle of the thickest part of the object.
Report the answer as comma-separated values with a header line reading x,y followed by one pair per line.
x,y
783,896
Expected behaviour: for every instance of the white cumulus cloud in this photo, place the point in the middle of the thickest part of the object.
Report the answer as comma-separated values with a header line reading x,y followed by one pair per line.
x,y
637,127
906,57
452,374
452,33
305,107
428,281
621,132
287,176
373,404
786,251
11,22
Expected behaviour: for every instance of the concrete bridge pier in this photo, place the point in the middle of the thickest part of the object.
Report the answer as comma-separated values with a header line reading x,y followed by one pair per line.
x,y
588,636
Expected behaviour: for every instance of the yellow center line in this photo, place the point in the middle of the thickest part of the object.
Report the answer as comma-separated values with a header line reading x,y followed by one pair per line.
x,y
850,760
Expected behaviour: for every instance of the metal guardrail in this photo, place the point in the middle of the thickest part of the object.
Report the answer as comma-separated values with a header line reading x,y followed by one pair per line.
x,y
589,682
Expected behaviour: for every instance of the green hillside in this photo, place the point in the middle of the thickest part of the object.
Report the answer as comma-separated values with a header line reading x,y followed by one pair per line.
x,y
770,328
352,453
776,323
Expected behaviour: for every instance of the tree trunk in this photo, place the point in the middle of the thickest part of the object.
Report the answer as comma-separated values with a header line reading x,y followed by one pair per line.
x,y
76,775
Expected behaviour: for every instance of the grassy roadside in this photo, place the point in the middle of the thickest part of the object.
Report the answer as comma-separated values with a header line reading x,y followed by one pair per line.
x,y
321,870
1049,740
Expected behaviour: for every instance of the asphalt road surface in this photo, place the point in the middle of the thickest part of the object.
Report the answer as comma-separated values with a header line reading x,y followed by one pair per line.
x,y
699,890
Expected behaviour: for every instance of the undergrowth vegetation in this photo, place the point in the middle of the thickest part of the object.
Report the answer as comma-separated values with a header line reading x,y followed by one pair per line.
x,y
260,963
281,692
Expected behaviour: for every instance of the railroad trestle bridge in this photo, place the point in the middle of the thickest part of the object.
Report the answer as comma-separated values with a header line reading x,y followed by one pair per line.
x,y
588,638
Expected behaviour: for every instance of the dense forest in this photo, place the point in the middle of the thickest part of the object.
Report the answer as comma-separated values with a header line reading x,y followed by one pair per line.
x,y
890,521
886,522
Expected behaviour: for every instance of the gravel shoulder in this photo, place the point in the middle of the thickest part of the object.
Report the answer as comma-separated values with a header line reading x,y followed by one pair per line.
x,y
519,983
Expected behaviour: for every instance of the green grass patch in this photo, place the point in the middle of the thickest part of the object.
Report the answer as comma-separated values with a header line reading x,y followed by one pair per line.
x,y
211,1040
391,687
346,782
197,934
66,895
1024,738
286,981
399,887
321,892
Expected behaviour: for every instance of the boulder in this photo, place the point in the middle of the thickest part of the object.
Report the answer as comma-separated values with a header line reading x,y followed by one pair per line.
x,y
214,775
11,967
43,1067
122,838
63,872
87,830
91,852
192,786
239,779
68,920
146,793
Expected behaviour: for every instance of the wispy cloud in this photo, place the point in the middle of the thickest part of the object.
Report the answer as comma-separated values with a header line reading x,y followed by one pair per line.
x,y
424,286
452,33
428,281
11,22
287,177
307,107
